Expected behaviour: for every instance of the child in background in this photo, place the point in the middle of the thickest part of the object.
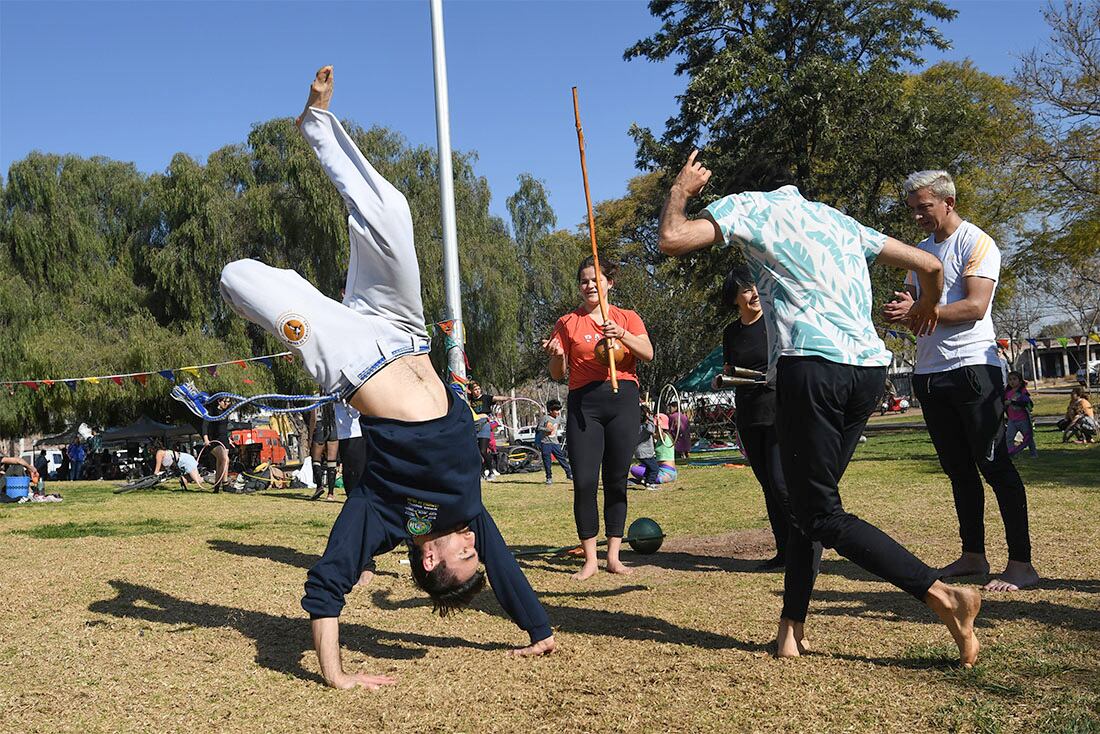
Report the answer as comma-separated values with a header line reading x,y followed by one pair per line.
x,y
645,453
1018,406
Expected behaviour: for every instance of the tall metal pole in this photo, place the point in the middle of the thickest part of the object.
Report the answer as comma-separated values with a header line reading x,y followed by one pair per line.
x,y
451,283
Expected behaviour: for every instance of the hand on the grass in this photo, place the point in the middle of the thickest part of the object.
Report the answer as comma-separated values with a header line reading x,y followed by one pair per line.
x,y
542,647
898,309
362,680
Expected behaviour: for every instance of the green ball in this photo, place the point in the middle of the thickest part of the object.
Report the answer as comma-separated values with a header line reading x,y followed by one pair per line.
x,y
645,536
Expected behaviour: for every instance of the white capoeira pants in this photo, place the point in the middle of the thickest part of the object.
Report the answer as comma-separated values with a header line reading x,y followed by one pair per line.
x,y
382,317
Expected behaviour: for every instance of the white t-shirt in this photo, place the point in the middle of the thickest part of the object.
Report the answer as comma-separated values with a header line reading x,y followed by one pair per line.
x,y
347,421
968,252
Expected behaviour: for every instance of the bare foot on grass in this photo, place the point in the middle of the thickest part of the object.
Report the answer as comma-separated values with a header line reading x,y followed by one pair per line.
x,y
957,607
619,568
587,571
968,564
1017,575
790,642
320,92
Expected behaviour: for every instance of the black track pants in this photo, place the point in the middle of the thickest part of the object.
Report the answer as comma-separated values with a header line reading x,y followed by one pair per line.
x,y
601,434
823,407
964,411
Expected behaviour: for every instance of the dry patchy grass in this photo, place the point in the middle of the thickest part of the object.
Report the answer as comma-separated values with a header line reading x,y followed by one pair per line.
x,y
175,611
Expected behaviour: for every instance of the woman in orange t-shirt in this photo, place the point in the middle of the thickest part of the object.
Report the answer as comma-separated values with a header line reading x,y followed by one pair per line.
x,y
601,427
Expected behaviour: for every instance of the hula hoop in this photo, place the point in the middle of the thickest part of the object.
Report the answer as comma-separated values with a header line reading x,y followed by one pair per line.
x,y
514,429
669,394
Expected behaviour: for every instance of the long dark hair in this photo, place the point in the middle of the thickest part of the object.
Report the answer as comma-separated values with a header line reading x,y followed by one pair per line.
x,y
447,594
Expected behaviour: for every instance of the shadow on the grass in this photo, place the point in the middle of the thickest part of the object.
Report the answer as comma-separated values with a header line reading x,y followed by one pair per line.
x,y
280,641
596,622
277,553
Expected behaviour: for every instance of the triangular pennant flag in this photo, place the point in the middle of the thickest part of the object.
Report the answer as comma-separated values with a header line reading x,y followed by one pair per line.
x,y
71,384
193,371
31,384
288,357
47,383
266,362
1033,342
1077,340
117,380
93,380
212,369
241,363
140,379
247,381
1095,337
1063,341
168,375
446,326
1002,343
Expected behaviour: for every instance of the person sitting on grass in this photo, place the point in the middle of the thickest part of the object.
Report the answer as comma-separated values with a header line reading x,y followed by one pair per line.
x,y
421,483
1080,418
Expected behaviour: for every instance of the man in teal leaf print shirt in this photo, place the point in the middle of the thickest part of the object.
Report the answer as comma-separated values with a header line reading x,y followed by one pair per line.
x,y
811,265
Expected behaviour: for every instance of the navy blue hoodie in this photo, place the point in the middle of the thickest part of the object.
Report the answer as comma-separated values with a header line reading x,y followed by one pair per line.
x,y
419,478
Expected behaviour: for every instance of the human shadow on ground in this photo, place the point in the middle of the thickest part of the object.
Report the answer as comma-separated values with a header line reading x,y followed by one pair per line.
x,y
280,641
277,553
596,622
294,496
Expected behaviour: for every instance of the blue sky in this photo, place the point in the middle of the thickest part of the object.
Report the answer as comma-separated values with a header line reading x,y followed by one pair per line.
x,y
140,81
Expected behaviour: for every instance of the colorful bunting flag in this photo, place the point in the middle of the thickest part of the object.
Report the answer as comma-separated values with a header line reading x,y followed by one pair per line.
x,y
191,371
71,384
1077,340
266,362
93,380
212,369
241,363
1063,341
31,384
117,380
246,381
1033,342
168,375
140,379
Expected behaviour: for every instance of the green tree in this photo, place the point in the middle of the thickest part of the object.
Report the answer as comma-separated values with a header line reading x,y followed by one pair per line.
x,y
1062,82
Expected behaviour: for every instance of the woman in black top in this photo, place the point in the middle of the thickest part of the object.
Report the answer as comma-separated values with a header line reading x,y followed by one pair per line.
x,y
217,432
745,344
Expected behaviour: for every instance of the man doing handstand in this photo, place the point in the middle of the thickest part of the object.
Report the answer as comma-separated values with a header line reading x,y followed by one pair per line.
x,y
421,483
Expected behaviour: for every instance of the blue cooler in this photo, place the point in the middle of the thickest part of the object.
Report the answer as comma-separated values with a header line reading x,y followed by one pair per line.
x,y
16,487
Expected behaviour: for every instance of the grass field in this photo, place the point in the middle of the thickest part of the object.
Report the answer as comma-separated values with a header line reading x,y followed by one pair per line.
x,y
174,611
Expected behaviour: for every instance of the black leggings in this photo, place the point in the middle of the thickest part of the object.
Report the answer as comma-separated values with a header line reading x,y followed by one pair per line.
x,y
761,448
353,456
601,432
486,455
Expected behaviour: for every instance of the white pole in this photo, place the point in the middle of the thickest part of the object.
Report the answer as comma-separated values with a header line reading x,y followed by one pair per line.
x,y
515,416
451,283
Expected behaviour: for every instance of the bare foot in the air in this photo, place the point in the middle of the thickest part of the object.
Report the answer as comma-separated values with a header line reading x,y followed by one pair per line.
x,y
619,568
320,92
1018,575
364,579
957,607
790,642
968,564
588,570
